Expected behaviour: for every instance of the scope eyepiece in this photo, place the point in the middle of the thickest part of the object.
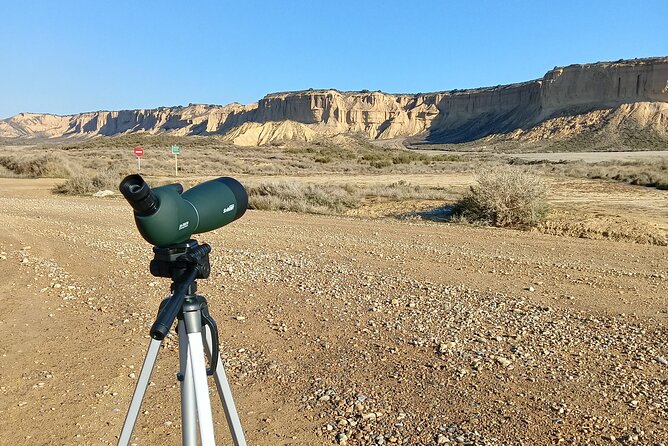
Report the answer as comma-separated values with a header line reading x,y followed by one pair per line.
x,y
139,195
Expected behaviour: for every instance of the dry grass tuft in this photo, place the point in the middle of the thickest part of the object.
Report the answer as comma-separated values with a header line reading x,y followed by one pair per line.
x,y
85,184
309,198
639,173
33,165
333,199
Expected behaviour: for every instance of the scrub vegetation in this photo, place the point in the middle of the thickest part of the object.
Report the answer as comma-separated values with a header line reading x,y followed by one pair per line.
x,y
349,176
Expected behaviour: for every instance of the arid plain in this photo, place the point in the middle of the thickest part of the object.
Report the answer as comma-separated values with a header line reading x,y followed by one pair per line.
x,y
371,325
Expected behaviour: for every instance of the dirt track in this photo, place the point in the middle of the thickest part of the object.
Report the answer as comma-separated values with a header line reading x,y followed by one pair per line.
x,y
335,330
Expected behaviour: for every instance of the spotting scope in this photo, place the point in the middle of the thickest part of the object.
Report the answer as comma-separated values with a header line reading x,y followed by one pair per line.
x,y
167,216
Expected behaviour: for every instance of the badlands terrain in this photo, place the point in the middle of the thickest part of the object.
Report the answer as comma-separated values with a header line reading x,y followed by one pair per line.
x,y
351,309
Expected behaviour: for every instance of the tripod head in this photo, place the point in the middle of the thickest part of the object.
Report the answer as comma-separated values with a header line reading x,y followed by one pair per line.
x,y
183,263
172,262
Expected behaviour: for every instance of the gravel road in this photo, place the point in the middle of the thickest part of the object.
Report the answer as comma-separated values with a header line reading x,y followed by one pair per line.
x,y
335,330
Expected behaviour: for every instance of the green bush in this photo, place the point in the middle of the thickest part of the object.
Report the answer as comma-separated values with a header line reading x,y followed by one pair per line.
x,y
505,197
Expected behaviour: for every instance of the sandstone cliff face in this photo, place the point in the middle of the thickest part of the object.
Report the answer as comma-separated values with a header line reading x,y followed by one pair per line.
x,y
604,84
193,119
375,114
451,117
190,120
34,125
649,117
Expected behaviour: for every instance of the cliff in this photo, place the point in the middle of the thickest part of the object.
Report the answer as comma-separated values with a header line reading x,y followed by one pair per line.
x,y
442,117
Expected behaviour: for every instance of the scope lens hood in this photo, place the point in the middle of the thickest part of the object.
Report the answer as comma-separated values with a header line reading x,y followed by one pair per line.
x,y
239,192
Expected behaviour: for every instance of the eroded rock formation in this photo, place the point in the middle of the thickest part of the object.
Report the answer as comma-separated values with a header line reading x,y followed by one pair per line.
x,y
449,117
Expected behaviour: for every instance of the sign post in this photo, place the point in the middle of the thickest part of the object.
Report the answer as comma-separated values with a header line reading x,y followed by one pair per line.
x,y
139,152
176,150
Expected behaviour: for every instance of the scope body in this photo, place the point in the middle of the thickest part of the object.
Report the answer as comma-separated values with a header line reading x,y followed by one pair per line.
x,y
167,216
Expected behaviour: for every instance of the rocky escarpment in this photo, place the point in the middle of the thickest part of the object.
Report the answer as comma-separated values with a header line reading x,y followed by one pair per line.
x,y
191,120
442,117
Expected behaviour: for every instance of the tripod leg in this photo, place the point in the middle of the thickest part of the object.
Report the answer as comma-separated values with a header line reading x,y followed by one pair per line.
x,y
196,352
225,394
188,407
140,390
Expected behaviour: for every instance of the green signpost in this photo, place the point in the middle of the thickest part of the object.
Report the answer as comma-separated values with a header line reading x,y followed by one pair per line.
x,y
176,150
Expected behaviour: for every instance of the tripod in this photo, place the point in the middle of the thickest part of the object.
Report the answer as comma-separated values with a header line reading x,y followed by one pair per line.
x,y
198,333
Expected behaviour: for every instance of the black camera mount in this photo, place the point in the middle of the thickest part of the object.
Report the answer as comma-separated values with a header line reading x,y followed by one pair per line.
x,y
184,263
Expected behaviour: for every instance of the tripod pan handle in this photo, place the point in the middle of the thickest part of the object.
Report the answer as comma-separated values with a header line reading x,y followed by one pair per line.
x,y
171,309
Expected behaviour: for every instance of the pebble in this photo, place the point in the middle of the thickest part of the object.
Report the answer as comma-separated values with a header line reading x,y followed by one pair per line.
x,y
503,361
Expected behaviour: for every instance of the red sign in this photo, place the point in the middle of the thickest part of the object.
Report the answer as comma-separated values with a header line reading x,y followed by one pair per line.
x,y
139,151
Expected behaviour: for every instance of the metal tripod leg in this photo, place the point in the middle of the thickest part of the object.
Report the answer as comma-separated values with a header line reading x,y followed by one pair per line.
x,y
140,390
188,406
225,394
193,324
197,336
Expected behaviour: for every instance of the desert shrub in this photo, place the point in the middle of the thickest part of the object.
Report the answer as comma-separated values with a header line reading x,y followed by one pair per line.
x,y
78,184
299,150
84,183
39,165
334,199
308,198
444,158
505,197
381,163
403,190
404,158
374,156
6,173
648,173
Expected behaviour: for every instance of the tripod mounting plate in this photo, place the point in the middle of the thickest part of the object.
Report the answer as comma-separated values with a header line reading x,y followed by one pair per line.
x,y
171,262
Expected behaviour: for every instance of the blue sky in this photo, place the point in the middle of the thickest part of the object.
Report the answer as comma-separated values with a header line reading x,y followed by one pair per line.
x,y
73,56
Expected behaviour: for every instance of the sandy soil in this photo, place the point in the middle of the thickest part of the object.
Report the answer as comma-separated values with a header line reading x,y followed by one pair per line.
x,y
336,330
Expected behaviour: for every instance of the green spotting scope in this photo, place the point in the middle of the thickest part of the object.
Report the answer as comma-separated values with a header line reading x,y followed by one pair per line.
x,y
167,216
